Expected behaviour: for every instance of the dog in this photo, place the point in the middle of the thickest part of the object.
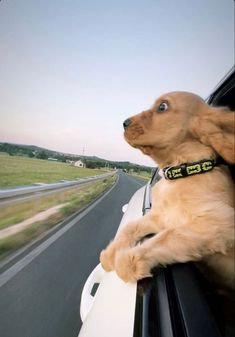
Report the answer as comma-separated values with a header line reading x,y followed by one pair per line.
x,y
192,214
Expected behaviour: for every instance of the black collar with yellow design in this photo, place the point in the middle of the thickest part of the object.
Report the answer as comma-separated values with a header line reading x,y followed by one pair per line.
x,y
188,169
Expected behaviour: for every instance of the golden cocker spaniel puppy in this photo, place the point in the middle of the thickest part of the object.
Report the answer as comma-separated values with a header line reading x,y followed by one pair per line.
x,y
192,214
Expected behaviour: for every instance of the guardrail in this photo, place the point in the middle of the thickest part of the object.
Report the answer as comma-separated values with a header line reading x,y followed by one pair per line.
x,y
24,190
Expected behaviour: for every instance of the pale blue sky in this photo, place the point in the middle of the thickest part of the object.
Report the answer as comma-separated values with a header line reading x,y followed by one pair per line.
x,y
71,71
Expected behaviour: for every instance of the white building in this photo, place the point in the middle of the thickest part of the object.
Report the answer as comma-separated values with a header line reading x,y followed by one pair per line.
x,y
79,163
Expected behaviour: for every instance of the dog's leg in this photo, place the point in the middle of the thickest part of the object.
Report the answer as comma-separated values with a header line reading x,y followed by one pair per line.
x,y
169,246
128,237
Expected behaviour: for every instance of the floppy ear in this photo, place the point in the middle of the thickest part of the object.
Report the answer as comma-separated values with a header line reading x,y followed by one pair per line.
x,y
215,127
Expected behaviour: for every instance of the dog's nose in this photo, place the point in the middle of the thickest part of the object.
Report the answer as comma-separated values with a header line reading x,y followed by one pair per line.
x,y
126,123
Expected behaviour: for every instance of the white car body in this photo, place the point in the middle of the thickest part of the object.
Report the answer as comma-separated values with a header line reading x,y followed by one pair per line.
x,y
113,306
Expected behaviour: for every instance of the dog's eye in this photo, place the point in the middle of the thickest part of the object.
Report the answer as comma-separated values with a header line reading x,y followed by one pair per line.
x,y
162,107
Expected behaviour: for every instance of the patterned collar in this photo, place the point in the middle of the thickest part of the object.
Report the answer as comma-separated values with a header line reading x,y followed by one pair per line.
x,y
187,169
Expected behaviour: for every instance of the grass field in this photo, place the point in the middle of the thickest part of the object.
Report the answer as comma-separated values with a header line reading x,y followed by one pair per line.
x,y
18,171
74,200
142,174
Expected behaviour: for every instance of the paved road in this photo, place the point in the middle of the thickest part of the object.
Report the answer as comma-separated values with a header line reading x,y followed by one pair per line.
x,y
40,294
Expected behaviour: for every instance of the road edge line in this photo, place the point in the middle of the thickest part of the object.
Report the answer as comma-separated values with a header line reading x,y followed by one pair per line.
x,y
20,260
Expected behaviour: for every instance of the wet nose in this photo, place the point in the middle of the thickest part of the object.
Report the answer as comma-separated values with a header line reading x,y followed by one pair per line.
x,y
126,123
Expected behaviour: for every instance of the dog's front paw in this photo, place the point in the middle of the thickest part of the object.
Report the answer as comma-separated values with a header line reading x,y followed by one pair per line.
x,y
107,258
130,267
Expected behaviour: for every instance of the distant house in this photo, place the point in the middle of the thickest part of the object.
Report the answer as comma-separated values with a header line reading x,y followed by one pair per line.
x,y
52,159
79,163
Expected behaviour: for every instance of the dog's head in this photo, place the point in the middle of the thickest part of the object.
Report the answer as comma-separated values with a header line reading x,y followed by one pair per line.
x,y
177,117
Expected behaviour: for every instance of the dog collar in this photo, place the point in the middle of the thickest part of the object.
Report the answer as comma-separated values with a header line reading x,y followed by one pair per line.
x,y
187,169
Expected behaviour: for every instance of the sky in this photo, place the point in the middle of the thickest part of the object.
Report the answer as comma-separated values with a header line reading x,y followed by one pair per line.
x,y
72,71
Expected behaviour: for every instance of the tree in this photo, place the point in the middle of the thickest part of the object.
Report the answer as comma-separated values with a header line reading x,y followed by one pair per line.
x,y
42,155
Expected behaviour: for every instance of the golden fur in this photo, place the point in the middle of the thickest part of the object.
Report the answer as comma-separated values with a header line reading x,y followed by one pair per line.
x,y
192,218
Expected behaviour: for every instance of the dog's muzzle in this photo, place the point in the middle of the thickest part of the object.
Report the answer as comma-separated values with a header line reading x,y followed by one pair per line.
x,y
126,123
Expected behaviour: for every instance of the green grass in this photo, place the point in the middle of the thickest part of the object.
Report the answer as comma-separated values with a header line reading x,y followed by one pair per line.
x,y
19,171
13,214
75,200
82,199
142,175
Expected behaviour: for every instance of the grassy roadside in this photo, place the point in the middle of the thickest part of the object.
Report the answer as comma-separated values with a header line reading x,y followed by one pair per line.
x,y
75,201
19,171
142,175
13,214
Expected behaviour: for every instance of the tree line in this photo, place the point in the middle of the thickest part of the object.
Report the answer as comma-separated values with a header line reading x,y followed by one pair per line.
x,y
90,162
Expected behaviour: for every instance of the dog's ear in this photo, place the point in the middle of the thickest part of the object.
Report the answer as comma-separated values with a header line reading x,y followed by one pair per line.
x,y
215,127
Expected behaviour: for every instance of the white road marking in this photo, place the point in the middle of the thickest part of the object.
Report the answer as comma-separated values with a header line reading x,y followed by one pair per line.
x,y
21,264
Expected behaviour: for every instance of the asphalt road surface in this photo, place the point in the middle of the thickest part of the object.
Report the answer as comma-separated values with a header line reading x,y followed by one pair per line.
x,y
40,294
